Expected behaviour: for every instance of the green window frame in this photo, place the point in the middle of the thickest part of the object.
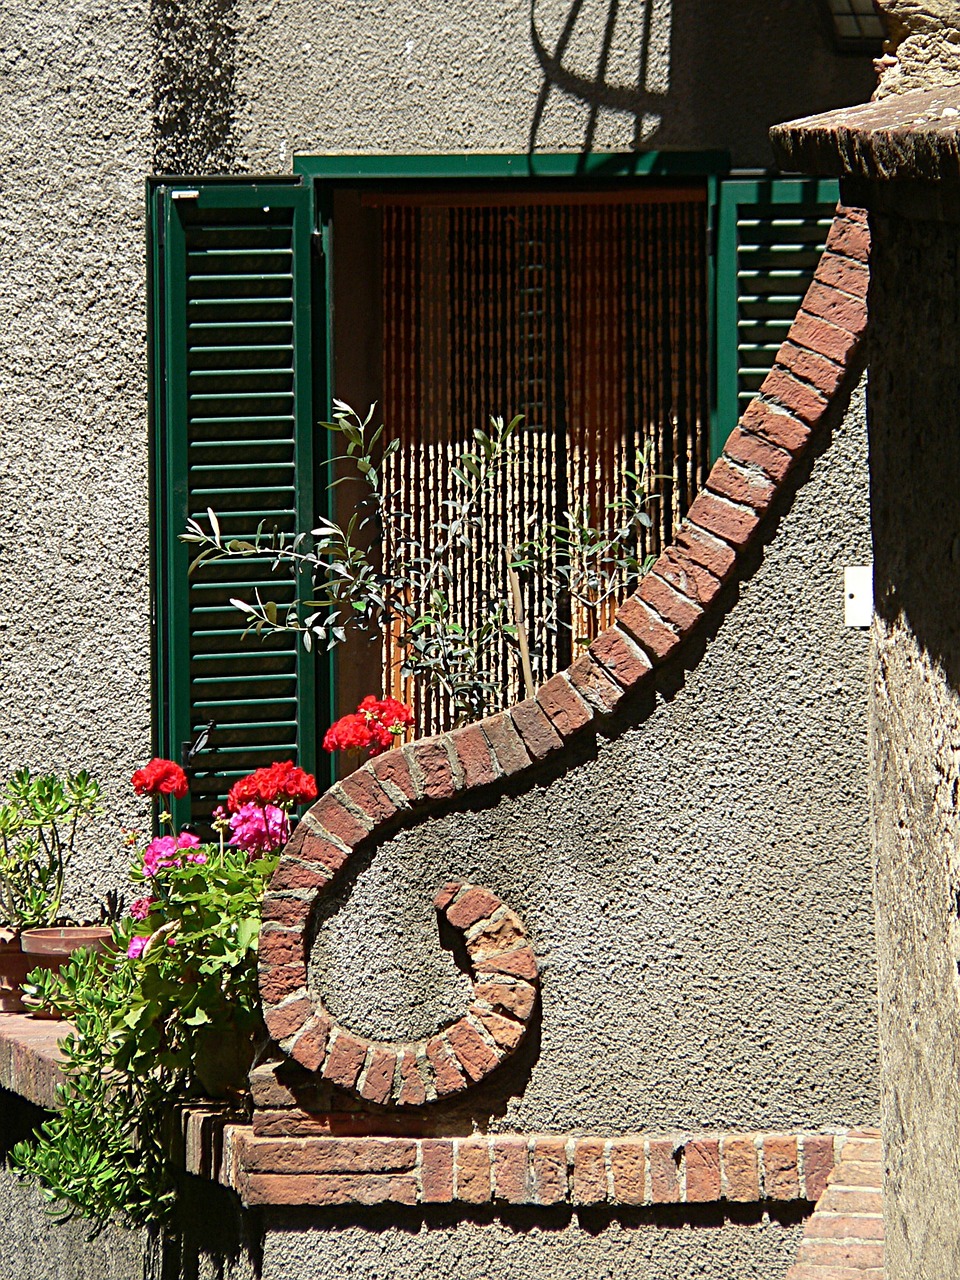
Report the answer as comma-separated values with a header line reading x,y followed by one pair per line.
x,y
185,478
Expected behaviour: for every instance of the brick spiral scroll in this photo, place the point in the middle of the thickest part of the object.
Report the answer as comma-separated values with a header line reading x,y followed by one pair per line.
x,y
811,378
410,1074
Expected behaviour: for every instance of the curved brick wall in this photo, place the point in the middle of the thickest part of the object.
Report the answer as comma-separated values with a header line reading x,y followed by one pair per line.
x,y
672,601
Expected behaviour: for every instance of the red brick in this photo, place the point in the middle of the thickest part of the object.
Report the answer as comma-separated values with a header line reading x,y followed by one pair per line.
x,y
776,426
703,1170
818,1161
618,654
285,909
326,1189
823,374
329,1155
278,981
664,1172
589,1171
549,1170
849,237
521,963
393,768
741,1169
682,614
826,339
750,451
748,487
293,874
364,789
448,1077
472,1157
473,752
856,1146
510,1169
505,1031
830,304
781,1179
378,1080
593,684
503,933
823,1226
842,273
279,945
538,734
345,1059
412,1092
732,524
628,1165
433,762
283,1020
841,1200
511,754
706,550
318,848
447,894
854,1255
476,904
805,403
517,998
567,710
436,1170
856,1173
473,1052
686,576
650,631
334,816
310,1046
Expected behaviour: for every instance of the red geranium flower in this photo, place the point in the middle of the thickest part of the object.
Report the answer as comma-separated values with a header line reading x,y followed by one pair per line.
x,y
281,784
161,778
375,725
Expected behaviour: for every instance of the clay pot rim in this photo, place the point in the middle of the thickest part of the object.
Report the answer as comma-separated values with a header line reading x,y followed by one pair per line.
x,y
64,940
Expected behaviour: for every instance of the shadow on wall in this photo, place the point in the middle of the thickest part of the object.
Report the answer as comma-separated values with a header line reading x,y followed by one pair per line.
x,y
701,70
194,82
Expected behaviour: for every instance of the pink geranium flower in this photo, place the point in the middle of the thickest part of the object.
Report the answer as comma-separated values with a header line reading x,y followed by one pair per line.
x,y
259,829
135,949
140,908
164,851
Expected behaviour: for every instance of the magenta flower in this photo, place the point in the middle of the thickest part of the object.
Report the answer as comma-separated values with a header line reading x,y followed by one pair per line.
x,y
259,829
140,908
163,852
135,949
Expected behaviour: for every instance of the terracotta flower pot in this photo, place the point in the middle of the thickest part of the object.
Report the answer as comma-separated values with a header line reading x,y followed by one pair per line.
x,y
14,967
51,948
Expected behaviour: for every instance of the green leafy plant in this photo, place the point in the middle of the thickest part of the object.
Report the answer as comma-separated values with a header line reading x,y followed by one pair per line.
x,y
40,819
172,1014
373,573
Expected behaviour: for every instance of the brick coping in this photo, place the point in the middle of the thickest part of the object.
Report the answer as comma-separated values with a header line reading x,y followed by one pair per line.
x,y
811,376
546,1170
843,1240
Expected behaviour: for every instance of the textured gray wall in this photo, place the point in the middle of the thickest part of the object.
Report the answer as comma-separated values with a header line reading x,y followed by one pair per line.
x,y
530,1249
698,887
915,733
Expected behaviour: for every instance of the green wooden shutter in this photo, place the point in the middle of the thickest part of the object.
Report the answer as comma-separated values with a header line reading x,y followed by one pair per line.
x,y
771,235
233,431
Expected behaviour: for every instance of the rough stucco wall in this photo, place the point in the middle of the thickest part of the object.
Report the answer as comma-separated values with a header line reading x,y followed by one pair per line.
x,y
74,617
915,735
923,50
530,1250
434,76
698,888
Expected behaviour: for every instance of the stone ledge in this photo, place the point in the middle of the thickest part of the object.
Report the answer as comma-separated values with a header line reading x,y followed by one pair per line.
x,y
913,137
30,1057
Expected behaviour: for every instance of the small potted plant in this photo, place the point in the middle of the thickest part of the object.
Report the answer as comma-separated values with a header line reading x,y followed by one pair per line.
x,y
40,818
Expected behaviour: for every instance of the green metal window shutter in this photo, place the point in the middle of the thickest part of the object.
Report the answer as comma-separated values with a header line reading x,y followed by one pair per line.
x,y
771,235
232,431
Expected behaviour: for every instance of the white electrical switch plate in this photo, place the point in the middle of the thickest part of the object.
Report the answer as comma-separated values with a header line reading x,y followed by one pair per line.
x,y
858,595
